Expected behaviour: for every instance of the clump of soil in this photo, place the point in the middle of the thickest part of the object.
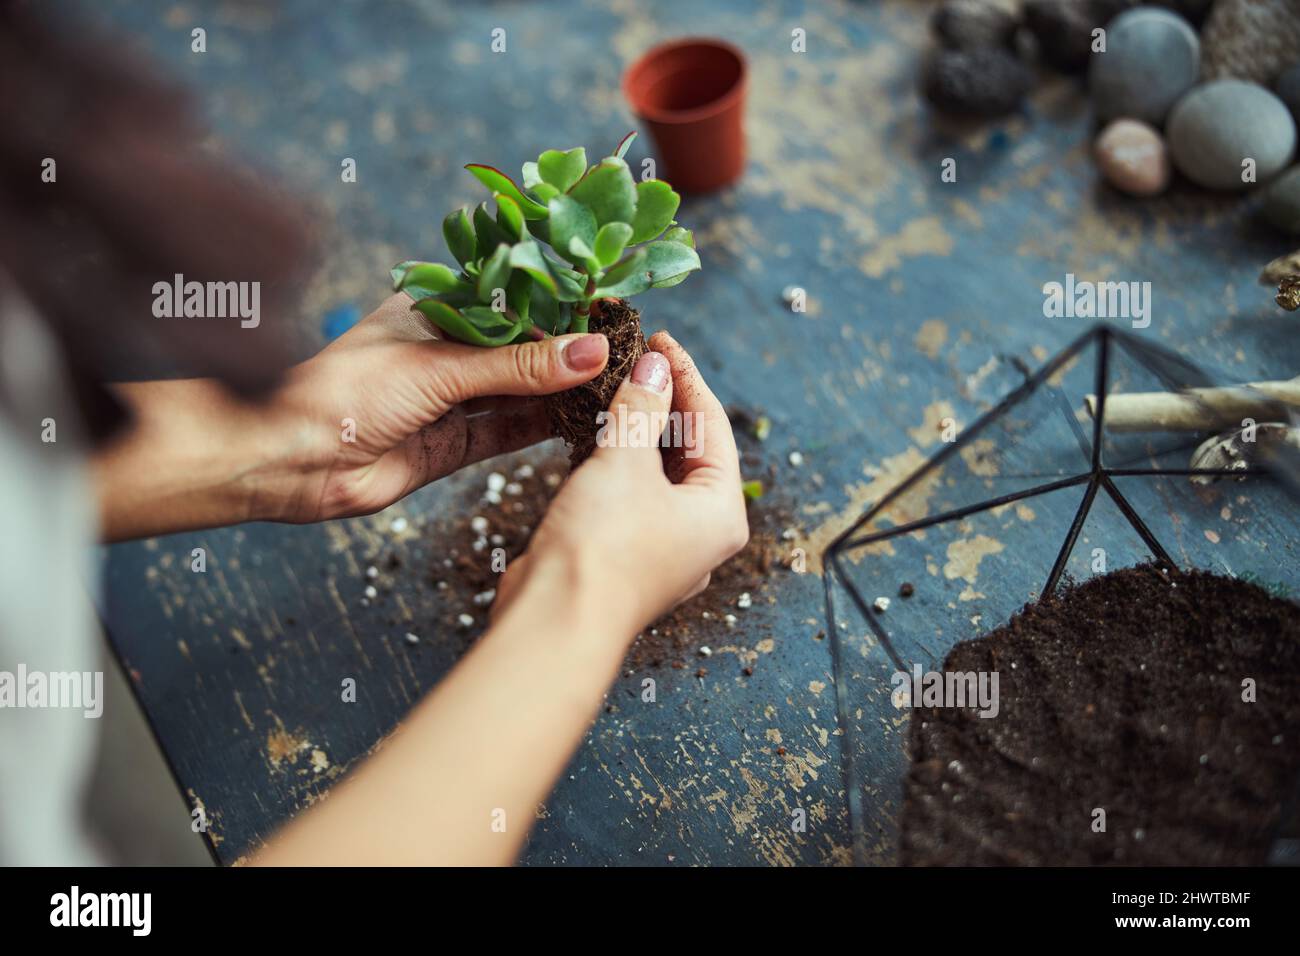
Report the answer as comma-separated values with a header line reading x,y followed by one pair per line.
x,y
1122,693
466,580
573,413
717,616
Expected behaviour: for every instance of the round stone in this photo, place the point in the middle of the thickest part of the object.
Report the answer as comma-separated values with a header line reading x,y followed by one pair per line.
x,y
1251,39
1218,126
1132,158
1281,201
1152,58
984,82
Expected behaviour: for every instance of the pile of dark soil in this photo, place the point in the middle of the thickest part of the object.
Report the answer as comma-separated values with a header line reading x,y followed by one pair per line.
x,y
573,413
1124,693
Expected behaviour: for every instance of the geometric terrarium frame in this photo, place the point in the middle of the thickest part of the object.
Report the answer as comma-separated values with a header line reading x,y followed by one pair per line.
x,y
1097,461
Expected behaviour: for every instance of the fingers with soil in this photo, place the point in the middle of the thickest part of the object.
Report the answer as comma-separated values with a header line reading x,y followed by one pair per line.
x,y
638,414
712,455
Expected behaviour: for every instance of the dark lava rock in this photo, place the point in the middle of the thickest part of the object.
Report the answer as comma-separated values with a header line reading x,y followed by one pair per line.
x,y
984,82
972,24
1288,89
1063,28
1193,11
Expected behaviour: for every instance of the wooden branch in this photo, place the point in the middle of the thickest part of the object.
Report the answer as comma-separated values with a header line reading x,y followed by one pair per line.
x,y
1199,409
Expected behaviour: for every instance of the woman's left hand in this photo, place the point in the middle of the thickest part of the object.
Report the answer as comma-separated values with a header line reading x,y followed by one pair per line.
x,y
422,408
380,412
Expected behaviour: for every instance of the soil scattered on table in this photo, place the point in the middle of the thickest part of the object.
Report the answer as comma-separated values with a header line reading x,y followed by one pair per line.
x,y
504,513
1123,693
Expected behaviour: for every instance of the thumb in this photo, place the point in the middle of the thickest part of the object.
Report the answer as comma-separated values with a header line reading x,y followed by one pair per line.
x,y
533,368
638,413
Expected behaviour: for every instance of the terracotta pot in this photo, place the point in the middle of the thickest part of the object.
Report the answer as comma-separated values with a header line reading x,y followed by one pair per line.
x,y
690,93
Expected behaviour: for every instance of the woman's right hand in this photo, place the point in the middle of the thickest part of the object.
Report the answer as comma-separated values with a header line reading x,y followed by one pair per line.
x,y
633,532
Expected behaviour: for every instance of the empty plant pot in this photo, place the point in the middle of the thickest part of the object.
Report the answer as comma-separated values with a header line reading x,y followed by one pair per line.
x,y
691,95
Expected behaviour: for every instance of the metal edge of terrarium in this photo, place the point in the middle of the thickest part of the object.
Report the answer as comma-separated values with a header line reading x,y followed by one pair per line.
x,y
1012,398
1099,475
831,569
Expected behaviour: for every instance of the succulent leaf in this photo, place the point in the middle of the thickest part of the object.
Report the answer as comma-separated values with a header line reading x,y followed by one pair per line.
x,y
627,277
545,192
608,190
498,182
420,280
462,328
488,320
527,255
545,311
562,169
611,240
668,261
569,220
510,218
519,295
678,234
495,273
656,204
489,235
623,144
581,252
459,234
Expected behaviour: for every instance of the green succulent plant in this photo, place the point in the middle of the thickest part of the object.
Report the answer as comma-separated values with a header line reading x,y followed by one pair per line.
x,y
569,235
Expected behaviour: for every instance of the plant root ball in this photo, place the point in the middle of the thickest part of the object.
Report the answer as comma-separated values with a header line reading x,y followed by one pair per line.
x,y
573,414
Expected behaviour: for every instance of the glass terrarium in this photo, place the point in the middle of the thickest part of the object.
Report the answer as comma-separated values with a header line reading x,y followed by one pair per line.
x,y
1098,461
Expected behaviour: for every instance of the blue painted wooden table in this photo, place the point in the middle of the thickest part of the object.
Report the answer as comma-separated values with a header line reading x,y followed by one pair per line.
x,y
924,303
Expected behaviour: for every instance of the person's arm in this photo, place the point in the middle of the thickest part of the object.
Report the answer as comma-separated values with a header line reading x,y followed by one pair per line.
x,y
461,780
194,457
382,411
619,546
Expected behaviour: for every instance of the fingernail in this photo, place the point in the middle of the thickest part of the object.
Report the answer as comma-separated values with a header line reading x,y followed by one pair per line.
x,y
585,353
651,371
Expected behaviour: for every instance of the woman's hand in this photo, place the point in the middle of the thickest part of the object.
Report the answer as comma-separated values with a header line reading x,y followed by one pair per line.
x,y
630,534
423,408
634,529
383,410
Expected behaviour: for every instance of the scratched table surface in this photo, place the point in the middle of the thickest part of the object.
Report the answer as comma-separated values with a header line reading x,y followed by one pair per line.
x,y
924,302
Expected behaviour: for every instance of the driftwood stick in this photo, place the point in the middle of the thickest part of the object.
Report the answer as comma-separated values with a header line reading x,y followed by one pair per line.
x,y
1199,409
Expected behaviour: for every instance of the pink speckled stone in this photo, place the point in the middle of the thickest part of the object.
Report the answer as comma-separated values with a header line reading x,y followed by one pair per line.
x,y
1132,158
